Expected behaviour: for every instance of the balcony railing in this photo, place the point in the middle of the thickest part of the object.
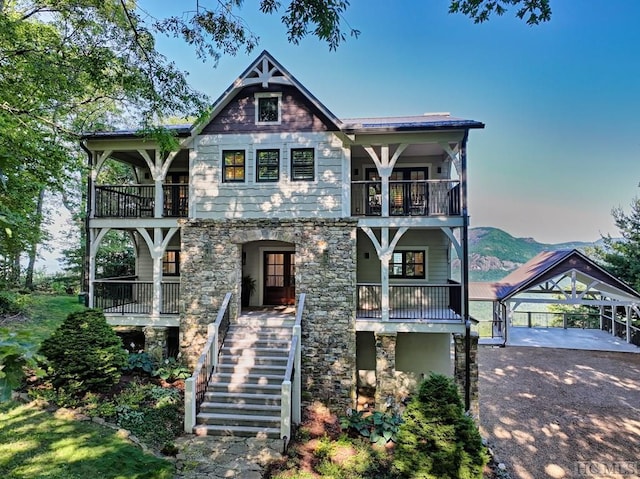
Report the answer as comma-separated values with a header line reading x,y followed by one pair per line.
x,y
137,201
407,198
129,296
411,302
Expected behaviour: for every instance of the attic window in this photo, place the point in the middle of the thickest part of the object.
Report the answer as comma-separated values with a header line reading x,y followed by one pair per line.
x,y
267,108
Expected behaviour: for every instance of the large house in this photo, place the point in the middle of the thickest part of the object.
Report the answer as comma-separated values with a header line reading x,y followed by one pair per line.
x,y
361,215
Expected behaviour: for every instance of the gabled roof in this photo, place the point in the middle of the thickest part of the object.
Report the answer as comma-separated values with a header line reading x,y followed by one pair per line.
x,y
264,70
543,267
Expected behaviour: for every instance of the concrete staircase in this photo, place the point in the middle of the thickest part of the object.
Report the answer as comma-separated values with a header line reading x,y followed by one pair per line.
x,y
243,396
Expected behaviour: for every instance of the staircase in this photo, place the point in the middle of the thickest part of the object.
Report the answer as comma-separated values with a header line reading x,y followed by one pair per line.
x,y
244,393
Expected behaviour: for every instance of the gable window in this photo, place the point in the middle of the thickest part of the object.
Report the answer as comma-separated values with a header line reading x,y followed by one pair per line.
x,y
407,264
267,165
233,165
171,263
267,108
302,164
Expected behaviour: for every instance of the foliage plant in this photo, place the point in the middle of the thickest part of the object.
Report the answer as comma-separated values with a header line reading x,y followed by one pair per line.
x,y
17,352
171,369
84,353
378,427
140,363
437,439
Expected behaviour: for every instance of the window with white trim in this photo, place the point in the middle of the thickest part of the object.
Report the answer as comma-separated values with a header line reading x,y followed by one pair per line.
x,y
407,265
268,108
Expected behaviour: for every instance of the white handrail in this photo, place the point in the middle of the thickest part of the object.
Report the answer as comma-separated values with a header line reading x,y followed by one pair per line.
x,y
195,385
291,411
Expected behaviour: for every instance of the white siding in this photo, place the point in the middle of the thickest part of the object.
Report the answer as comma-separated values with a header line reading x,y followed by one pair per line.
x,y
284,199
433,241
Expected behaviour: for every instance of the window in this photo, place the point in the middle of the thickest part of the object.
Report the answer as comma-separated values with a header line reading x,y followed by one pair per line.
x,y
232,165
302,167
407,264
268,165
171,263
267,108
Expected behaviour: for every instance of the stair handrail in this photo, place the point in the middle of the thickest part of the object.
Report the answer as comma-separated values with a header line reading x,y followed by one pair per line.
x,y
196,385
291,390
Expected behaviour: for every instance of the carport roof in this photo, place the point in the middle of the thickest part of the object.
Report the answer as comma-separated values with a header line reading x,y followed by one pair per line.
x,y
545,266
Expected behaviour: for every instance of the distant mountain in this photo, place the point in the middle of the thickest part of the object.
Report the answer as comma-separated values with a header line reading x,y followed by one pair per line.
x,y
494,253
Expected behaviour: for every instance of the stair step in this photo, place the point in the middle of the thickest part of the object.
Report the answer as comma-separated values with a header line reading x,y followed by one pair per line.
x,y
247,367
249,379
240,409
245,388
243,431
242,398
226,358
239,420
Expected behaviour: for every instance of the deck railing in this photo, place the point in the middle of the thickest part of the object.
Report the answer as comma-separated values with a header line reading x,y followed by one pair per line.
x,y
130,201
407,198
137,201
170,298
196,386
127,295
291,390
546,319
424,302
123,295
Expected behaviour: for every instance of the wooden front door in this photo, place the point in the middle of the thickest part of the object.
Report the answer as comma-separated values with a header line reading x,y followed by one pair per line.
x,y
279,277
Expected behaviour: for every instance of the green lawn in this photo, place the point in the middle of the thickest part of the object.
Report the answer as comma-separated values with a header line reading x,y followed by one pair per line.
x,y
38,444
45,313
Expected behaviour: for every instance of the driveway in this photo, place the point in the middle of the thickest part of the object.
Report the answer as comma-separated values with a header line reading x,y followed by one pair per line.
x,y
561,413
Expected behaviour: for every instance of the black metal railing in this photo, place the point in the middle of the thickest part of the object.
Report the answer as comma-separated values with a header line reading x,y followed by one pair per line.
x,y
407,198
170,298
118,296
130,201
137,201
127,296
423,302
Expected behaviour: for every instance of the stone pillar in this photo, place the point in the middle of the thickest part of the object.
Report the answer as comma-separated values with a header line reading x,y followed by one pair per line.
x,y
155,342
385,371
459,370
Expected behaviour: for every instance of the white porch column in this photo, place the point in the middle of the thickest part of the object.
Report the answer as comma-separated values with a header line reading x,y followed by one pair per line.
x,y
385,258
628,310
158,200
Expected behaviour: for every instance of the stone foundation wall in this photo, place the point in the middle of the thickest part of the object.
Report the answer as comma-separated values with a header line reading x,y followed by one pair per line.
x,y
459,370
211,266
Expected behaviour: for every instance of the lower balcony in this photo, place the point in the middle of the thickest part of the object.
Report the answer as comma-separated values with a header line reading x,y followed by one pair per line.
x,y
138,201
411,304
128,296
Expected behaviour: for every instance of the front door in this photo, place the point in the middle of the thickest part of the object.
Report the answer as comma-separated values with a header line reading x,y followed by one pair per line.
x,y
279,277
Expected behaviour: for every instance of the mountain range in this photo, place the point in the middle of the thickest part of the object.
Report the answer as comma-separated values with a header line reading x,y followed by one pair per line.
x,y
494,253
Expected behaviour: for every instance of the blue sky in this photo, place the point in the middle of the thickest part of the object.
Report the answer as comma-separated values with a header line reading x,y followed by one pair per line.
x,y
560,101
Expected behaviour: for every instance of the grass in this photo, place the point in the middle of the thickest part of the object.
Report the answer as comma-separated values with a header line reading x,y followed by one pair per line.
x,y
45,313
36,444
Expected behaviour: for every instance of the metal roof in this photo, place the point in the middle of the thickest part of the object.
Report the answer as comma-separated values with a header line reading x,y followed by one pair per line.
x,y
180,130
541,268
421,122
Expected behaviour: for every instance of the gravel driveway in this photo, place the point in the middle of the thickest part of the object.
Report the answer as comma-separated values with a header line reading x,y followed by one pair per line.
x,y
561,413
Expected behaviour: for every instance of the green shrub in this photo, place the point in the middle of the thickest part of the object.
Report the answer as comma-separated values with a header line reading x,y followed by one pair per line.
x,y
437,440
378,427
171,369
17,352
84,353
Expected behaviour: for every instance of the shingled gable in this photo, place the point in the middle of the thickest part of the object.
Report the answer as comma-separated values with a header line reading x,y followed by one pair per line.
x,y
265,73
543,267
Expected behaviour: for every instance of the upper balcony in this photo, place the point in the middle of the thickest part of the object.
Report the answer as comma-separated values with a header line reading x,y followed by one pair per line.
x,y
407,198
138,201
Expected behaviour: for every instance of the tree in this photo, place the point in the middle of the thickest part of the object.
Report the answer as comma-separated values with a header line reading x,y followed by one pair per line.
x,y
622,255
533,12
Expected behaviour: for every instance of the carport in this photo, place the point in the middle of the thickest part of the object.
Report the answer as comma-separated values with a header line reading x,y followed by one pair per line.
x,y
565,277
